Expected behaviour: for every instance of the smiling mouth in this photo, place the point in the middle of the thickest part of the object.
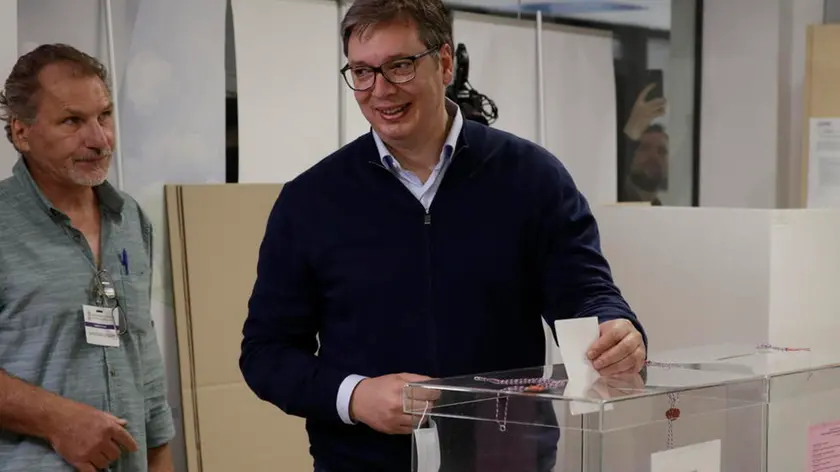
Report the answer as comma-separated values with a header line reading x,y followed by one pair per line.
x,y
393,113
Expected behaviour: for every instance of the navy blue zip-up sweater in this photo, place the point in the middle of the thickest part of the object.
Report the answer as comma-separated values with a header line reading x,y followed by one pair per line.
x,y
350,255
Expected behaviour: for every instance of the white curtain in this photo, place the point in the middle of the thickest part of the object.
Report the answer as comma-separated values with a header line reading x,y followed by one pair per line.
x,y
580,108
172,116
503,66
287,77
579,78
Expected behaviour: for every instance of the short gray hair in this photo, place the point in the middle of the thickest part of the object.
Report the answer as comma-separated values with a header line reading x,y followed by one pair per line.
x,y
430,16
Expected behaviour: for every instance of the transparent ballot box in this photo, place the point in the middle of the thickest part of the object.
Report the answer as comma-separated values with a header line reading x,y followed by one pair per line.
x,y
803,409
535,420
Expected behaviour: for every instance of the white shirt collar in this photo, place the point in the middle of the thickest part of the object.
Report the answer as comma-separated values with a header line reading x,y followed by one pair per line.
x,y
448,147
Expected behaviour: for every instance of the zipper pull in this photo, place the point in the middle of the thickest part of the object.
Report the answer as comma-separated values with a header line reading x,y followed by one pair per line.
x,y
427,220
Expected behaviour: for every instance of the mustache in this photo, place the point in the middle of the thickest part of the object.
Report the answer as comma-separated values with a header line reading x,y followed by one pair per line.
x,y
94,156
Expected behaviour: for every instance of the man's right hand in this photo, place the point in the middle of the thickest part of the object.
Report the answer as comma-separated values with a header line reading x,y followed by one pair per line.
x,y
378,403
88,439
643,113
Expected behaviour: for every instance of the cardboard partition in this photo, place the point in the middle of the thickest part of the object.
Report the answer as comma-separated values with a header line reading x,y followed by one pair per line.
x,y
821,100
215,232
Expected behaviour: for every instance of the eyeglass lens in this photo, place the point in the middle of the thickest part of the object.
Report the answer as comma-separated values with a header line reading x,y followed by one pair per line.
x,y
396,72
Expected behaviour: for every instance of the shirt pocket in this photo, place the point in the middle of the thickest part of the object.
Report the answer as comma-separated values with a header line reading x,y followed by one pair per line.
x,y
136,301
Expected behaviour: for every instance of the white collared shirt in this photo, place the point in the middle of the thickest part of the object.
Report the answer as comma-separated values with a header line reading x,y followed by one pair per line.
x,y
425,191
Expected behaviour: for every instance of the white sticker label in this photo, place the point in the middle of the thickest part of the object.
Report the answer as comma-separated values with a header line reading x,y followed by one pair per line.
x,y
428,448
101,326
703,457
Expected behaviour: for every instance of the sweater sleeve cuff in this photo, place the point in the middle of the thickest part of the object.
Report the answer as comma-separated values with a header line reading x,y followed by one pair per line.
x,y
345,393
617,314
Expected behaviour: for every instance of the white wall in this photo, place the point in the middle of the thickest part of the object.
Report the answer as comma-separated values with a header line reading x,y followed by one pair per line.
x,y
8,56
740,103
753,58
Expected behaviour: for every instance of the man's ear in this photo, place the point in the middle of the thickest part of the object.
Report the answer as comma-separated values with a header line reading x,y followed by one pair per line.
x,y
20,135
447,62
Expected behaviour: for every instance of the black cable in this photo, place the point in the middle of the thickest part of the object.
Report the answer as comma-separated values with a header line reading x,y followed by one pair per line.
x,y
473,104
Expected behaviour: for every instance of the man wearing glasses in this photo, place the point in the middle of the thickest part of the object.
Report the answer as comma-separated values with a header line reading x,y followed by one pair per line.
x,y
81,376
430,247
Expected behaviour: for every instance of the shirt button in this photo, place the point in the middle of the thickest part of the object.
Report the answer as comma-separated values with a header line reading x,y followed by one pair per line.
x,y
113,372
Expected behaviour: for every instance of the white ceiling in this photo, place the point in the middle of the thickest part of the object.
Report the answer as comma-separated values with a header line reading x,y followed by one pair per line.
x,y
654,14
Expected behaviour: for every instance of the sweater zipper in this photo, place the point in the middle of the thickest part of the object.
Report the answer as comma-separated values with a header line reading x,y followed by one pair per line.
x,y
427,229
430,314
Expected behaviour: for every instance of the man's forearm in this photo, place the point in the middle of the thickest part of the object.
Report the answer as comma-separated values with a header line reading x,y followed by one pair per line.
x,y
24,408
160,459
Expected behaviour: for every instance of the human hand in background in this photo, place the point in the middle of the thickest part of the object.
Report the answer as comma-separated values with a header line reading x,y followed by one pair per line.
x,y
378,402
618,350
643,113
87,438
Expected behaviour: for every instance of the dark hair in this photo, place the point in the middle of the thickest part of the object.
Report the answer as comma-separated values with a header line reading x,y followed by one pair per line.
x,y
430,16
18,99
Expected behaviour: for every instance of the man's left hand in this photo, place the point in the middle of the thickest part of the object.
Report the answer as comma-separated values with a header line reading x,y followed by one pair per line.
x,y
618,350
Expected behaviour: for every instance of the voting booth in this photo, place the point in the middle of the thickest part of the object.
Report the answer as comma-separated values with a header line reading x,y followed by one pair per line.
x,y
711,285
702,276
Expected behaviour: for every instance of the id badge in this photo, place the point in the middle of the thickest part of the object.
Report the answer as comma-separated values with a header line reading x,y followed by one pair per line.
x,y
101,326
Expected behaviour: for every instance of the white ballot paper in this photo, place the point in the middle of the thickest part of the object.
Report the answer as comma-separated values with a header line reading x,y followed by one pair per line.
x,y
703,457
574,337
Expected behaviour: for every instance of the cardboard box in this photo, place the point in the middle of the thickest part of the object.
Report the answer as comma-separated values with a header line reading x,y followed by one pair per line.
x,y
215,232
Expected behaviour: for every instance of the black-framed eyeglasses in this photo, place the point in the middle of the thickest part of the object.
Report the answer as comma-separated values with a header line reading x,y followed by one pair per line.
x,y
397,71
105,296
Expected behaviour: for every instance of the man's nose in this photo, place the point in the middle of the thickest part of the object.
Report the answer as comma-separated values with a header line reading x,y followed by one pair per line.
x,y
97,136
382,87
